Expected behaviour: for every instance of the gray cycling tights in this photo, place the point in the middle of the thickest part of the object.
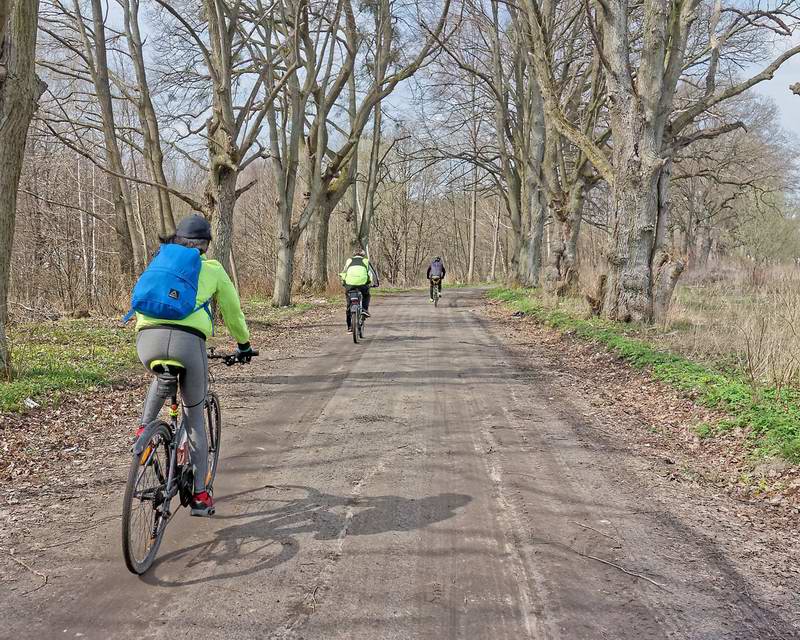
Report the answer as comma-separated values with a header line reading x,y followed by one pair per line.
x,y
190,350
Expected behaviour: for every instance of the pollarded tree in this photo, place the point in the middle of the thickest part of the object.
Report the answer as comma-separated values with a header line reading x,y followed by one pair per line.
x,y
666,63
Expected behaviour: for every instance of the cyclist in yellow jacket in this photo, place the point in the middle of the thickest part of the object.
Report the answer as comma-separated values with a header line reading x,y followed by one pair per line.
x,y
357,274
184,341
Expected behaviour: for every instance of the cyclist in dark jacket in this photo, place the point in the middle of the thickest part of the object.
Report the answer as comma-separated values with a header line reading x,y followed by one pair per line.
x,y
436,273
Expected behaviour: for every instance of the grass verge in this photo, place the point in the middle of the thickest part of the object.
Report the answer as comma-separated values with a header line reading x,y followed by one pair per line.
x,y
51,358
771,415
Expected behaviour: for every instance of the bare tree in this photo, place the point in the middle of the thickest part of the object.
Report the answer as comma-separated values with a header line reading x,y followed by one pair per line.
x,y
327,47
151,134
645,55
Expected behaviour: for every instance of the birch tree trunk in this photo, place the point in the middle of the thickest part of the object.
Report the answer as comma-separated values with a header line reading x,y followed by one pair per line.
x,y
20,90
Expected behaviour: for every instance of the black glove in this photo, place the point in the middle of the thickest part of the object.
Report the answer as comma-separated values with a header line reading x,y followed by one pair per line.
x,y
244,352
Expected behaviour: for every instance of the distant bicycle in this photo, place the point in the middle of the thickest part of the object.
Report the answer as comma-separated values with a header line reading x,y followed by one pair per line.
x,y
435,288
357,317
161,470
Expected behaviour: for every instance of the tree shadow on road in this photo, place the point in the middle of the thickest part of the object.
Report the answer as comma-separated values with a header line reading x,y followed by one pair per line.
x,y
266,538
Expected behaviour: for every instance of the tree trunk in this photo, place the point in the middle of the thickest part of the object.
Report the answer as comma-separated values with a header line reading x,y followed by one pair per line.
x,y
634,208
319,263
527,248
284,266
221,197
561,274
20,90
131,248
315,266
153,154
634,212
665,267
495,241
473,226
706,242
224,154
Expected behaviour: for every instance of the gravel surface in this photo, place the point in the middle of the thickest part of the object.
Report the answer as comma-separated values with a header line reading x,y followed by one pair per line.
x,y
450,477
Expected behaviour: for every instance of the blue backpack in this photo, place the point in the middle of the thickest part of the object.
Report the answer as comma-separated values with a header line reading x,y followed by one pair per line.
x,y
167,289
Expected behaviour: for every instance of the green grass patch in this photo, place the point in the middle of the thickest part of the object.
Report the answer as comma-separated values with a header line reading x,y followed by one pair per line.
x,y
50,358
772,415
260,308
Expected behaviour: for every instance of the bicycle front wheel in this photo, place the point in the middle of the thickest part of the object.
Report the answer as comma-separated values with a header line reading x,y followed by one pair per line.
x,y
145,507
213,425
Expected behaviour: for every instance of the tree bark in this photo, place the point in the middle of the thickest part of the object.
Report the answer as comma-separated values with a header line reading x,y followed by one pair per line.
x,y
224,155
561,273
284,267
665,267
317,236
315,265
20,90
221,198
473,226
495,241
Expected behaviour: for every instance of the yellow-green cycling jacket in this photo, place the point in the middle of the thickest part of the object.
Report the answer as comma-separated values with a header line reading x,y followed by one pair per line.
x,y
356,272
213,283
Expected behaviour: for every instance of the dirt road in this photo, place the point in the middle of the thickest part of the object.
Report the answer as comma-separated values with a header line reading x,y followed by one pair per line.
x,y
425,484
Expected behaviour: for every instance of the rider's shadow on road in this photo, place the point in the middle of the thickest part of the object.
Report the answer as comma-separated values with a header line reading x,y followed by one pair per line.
x,y
264,539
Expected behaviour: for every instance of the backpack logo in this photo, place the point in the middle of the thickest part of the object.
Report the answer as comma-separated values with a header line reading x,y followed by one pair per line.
x,y
173,293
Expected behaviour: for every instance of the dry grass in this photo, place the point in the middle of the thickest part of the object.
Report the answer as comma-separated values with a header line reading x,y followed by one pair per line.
x,y
737,315
741,316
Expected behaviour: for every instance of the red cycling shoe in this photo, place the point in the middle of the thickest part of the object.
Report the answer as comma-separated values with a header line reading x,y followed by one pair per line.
x,y
202,504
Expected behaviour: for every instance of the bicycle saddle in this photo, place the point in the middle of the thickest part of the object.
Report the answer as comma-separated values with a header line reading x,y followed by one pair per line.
x,y
167,372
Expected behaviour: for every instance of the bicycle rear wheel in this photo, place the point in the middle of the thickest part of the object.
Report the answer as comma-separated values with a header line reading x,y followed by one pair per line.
x,y
213,425
354,324
145,507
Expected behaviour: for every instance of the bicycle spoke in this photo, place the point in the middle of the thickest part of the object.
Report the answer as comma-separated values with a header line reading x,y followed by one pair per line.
x,y
145,511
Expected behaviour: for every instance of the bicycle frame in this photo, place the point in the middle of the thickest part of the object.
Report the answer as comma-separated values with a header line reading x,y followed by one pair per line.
x,y
148,453
356,300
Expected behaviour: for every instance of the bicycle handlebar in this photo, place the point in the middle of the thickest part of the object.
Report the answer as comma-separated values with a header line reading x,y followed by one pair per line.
x,y
229,359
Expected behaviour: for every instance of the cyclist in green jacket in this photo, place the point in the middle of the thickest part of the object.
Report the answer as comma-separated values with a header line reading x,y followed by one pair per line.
x,y
357,274
184,341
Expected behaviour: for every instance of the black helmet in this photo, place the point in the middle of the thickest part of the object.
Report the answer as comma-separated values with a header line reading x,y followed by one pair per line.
x,y
437,259
194,227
